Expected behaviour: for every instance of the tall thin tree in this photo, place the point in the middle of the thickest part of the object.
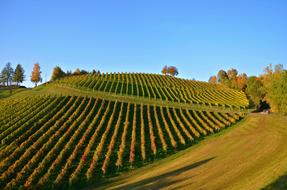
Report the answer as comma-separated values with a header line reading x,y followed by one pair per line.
x,y
36,74
7,74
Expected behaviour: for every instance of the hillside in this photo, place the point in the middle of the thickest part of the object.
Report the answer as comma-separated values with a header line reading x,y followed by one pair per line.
x,y
71,133
250,155
5,93
158,87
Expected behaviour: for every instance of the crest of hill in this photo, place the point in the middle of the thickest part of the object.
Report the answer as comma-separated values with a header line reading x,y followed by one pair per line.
x,y
157,87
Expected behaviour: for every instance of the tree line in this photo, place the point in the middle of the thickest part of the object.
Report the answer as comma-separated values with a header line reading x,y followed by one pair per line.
x,y
14,77
267,89
10,77
58,73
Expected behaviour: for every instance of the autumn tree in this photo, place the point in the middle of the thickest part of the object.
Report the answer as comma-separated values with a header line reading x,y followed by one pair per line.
x,y
57,73
232,78
172,71
36,74
164,70
77,72
19,74
241,81
212,80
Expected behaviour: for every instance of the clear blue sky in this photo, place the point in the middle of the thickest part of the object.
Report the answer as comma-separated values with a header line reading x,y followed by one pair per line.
x,y
199,37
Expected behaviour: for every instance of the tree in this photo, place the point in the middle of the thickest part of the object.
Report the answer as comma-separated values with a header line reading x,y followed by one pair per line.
x,y
275,83
172,71
1,79
95,72
212,80
255,90
7,74
68,73
241,81
278,68
3,76
19,74
36,74
232,78
164,70
57,73
222,76
277,93
77,72
83,72
232,74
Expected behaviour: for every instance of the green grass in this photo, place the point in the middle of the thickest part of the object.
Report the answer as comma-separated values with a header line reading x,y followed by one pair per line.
x,y
250,155
6,93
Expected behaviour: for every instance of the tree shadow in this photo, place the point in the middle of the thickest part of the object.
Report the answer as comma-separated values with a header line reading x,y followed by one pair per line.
x,y
280,183
163,180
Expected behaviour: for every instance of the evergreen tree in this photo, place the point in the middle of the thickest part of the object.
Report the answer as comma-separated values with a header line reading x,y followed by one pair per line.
x,y
19,74
7,74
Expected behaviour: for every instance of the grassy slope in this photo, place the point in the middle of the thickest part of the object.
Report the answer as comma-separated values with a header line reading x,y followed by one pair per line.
x,y
6,93
249,156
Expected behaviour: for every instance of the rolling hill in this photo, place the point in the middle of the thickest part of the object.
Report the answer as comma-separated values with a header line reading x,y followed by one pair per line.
x,y
81,129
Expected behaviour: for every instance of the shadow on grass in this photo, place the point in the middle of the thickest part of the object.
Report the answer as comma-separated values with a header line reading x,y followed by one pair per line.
x,y
279,184
163,180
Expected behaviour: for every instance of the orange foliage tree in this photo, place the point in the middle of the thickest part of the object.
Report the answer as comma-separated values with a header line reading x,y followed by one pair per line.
x,y
36,74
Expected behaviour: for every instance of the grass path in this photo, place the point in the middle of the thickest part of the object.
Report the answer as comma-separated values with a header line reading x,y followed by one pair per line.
x,y
250,155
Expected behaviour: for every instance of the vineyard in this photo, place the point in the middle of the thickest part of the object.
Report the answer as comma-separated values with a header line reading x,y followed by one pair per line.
x,y
158,87
50,141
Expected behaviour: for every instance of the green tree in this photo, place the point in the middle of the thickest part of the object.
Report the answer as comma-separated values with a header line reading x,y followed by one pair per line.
x,y
57,73
275,83
7,74
19,74
277,93
255,90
